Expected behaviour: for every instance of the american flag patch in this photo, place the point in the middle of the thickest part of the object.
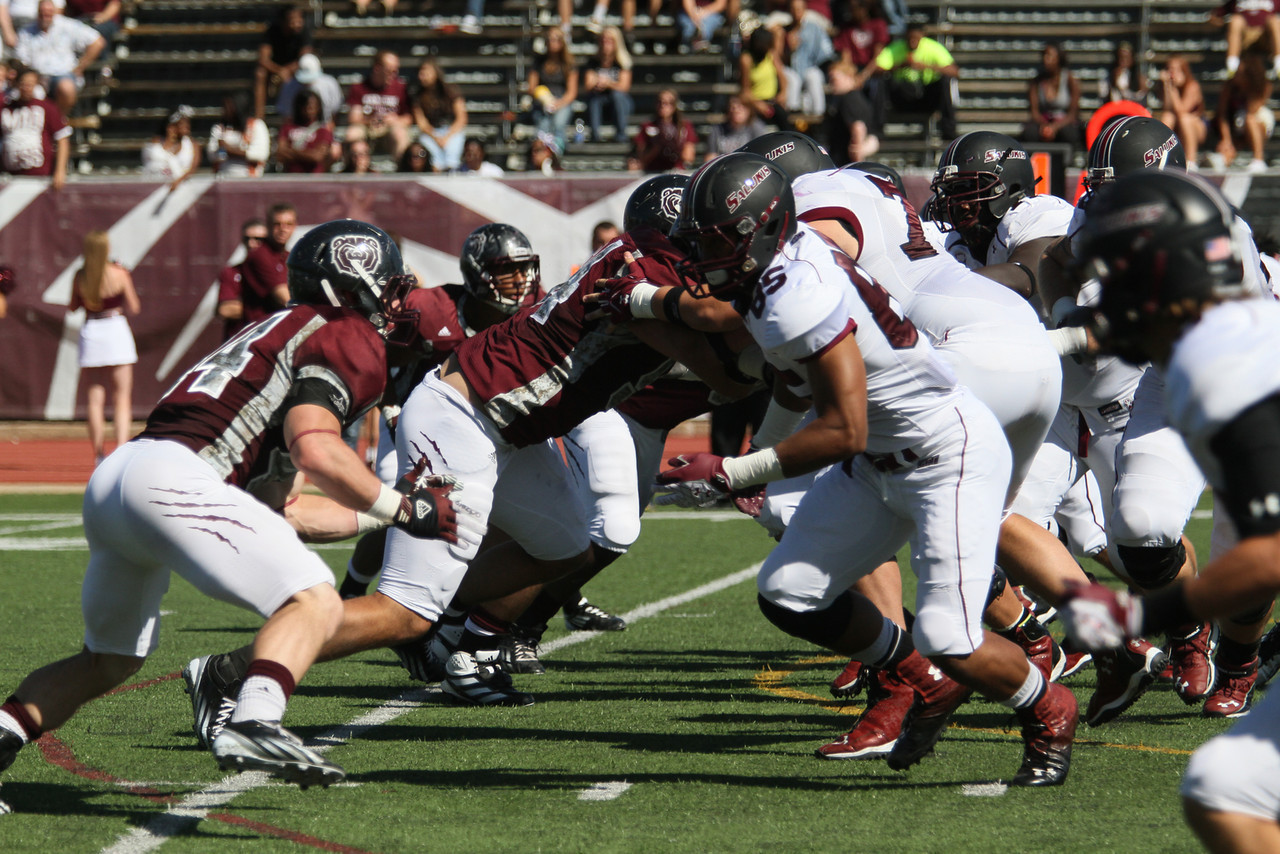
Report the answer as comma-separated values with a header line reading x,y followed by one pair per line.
x,y
1217,249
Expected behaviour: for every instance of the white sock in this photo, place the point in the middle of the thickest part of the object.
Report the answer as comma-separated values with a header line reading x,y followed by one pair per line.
x,y
1233,62
11,723
354,573
1032,687
599,11
885,646
261,699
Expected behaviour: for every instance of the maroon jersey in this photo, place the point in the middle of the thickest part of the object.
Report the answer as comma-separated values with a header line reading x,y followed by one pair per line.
x,y
230,408
302,138
545,369
670,401
261,273
29,132
377,104
230,286
440,330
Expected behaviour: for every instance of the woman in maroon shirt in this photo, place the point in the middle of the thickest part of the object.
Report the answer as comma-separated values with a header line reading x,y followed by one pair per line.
x,y
305,140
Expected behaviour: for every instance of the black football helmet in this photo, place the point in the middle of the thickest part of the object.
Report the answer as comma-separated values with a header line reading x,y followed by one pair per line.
x,y
793,153
888,173
738,211
1130,144
980,177
655,203
491,251
1153,239
354,264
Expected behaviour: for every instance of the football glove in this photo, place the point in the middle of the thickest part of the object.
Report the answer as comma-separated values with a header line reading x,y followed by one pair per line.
x,y
697,481
1099,618
425,510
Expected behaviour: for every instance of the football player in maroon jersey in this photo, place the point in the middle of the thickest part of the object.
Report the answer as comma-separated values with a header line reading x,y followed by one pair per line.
x,y
181,497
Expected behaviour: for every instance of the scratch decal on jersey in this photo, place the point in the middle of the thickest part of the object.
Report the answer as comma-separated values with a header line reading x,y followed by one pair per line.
x,y
219,536
205,517
423,460
740,194
358,257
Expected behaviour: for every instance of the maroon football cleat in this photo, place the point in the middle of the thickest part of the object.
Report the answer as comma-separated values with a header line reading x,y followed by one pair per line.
x,y
1043,651
1048,729
1232,696
937,696
1191,658
851,680
1124,675
873,736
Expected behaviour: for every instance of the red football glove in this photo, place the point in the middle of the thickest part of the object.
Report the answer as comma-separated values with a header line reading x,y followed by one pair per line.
x,y
749,501
612,298
426,511
1099,618
697,481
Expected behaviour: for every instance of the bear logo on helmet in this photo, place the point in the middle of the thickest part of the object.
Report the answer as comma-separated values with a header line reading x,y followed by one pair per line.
x,y
669,202
356,256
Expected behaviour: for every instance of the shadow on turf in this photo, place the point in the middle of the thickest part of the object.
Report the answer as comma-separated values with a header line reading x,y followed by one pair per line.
x,y
62,799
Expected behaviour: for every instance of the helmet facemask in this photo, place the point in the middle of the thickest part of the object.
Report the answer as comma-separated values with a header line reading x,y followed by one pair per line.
x,y
511,281
726,255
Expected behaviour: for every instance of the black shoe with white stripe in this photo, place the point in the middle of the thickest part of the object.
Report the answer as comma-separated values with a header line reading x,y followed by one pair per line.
x,y
213,686
269,747
582,616
480,684
10,744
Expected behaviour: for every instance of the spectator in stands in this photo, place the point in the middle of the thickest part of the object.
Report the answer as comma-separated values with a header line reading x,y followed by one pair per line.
x,y
172,154
603,233
553,83
607,82
357,158
919,75
61,49
596,23
762,79
311,77
240,144
265,282
102,15
305,140
16,14
739,127
1247,23
849,127
543,156
104,289
808,50
34,139
8,282
1183,109
441,116
253,233
475,160
1243,118
380,106
861,34
1124,80
283,44
416,158
895,13
362,7
1054,100
697,21
666,142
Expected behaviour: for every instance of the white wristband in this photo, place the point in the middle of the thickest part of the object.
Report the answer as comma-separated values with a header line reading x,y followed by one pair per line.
x,y
641,303
366,523
385,506
754,468
1069,340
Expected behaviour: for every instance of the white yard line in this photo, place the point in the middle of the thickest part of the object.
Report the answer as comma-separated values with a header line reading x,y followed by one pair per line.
x,y
183,816
603,791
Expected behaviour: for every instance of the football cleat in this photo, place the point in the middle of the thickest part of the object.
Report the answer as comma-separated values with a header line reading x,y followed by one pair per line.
x,y
469,681
1042,650
518,651
1073,663
852,680
1268,656
1048,729
269,747
423,658
582,616
1191,658
876,732
10,744
1045,613
213,685
1232,696
1124,675
936,697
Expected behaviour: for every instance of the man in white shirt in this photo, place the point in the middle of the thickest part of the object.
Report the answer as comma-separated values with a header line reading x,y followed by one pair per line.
x,y
61,49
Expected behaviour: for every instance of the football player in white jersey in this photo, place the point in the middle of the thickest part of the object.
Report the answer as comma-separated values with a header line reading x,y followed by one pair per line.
x,y
917,459
984,193
1172,275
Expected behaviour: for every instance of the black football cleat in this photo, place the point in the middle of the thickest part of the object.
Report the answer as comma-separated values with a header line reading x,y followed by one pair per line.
x,y
1048,730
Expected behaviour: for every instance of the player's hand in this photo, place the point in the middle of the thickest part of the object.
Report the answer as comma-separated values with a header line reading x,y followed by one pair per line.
x,y
425,510
696,481
749,501
1099,618
612,298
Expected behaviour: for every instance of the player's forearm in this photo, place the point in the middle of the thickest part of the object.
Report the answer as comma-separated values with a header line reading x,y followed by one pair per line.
x,y
335,469
1239,581
320,519
821,442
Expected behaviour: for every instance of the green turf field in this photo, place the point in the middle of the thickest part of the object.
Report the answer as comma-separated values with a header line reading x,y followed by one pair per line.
x,y
693,730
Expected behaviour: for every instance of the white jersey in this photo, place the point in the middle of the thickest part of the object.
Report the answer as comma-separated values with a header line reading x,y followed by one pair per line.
x,y
809,298
1030,219
1222,366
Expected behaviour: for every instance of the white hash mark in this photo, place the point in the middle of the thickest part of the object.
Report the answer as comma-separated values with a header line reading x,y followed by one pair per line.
x,y
603,791
983,790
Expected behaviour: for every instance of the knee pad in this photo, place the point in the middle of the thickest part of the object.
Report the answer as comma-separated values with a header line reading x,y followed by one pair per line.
x,y
1152,567
821,627
999,581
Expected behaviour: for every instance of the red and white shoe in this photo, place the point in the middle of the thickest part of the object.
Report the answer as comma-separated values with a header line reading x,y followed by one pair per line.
x,y
1124,675
1191,658
876,732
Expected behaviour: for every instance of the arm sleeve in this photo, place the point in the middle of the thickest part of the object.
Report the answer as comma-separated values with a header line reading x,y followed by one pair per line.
x,y
1248,451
